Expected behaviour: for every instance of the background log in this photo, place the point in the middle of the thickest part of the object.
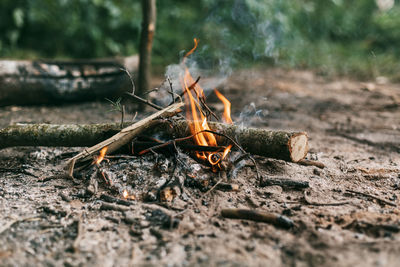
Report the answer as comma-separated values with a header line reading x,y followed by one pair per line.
x,y
54,81
289,146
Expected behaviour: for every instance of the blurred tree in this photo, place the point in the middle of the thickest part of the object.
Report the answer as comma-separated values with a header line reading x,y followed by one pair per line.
x,y
146,45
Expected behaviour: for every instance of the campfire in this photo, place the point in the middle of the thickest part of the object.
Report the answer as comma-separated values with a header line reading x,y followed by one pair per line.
x,y
192,152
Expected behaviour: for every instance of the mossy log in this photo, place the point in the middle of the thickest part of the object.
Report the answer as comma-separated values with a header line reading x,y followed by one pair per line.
x,y
68,135
289,146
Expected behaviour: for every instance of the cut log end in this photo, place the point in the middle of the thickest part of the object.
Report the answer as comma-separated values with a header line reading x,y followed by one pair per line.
x,y
298,146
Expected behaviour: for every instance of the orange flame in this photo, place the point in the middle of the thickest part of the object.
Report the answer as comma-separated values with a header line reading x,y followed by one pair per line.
x,y
196,42
195,113
227,107
101,156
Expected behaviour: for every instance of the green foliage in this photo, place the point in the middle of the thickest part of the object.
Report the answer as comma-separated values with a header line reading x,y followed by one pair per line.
x,y
73,28
333,36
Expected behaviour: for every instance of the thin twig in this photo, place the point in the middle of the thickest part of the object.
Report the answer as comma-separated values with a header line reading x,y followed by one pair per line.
x,y
171,90
307,162
134,116
144,147
372,196
191,87
258,216
203,102
310,202
131,78
145,101
212,188
122,116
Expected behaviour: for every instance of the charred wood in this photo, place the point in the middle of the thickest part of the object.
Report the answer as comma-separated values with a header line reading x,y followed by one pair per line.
x,y
285,183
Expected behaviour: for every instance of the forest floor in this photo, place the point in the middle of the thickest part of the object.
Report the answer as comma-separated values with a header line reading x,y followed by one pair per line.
x,y
349,216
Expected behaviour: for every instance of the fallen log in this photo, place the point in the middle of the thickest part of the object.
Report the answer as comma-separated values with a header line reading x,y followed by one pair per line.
x,y
24,82
289,146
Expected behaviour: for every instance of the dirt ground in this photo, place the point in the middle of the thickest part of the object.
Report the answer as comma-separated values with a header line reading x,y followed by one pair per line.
x,y
348,216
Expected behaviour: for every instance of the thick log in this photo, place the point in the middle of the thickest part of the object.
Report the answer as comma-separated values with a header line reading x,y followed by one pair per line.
x,y
289,146
53,82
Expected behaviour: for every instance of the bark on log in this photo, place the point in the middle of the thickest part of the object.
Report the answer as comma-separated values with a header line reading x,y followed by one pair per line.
x,y
289,146
68,135
52,81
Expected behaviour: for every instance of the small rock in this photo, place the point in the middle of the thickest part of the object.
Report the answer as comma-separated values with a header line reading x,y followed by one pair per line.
x,y
317,171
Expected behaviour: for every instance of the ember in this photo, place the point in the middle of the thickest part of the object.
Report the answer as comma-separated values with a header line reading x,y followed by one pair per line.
x,y
126,195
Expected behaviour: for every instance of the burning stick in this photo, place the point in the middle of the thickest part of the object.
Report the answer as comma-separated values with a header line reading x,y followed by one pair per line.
x,y
142,147
258,216
123,137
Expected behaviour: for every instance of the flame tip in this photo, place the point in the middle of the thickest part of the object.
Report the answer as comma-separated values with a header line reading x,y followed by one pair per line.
x,y
101,155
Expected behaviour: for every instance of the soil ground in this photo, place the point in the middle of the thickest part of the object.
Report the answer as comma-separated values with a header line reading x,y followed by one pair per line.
x,y
354,129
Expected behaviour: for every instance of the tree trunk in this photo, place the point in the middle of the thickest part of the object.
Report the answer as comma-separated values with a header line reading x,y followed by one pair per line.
x,y
146,43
